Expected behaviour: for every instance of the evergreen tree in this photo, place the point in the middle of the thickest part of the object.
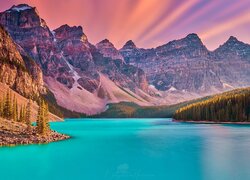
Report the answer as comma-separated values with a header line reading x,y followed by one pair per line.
x,y
7,106
43,118
1,108
21,115
14,109
46,118
28,114
24,114
39,117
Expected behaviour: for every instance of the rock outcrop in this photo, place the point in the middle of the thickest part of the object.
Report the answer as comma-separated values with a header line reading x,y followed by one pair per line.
x,y
17,71
232,60
16,133
107,49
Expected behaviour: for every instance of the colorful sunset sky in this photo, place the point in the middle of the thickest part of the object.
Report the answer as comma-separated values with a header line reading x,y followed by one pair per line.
x,y
148,23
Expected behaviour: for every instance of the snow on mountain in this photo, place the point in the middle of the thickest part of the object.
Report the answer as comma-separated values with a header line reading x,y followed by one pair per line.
x,y
21,7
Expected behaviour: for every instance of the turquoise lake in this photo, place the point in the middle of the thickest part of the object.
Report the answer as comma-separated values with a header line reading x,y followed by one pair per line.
x,y
133,149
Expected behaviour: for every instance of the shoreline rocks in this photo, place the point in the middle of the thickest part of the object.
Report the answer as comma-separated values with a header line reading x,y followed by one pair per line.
x,y
14,133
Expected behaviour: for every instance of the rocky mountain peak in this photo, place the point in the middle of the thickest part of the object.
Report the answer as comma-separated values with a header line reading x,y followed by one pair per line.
x,y
232,49
105,41
129,45
22,16
189,46
105,44
232,39
70,32
107,49
193,38
234,44
20,7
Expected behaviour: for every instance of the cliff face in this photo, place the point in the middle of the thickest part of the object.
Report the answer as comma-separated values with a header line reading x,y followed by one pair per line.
x,y
28,30
107,49
88,61
24,76
232,60
70,62
187,65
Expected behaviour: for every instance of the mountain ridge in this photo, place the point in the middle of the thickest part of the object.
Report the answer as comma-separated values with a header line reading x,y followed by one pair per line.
x,y
66,57
73,67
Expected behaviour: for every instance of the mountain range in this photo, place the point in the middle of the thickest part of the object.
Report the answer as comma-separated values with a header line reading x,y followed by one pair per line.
x,y
85,77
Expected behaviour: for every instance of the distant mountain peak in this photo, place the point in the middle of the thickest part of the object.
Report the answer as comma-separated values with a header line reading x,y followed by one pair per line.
x,y
233,42
191,41
104,41
193,37
70,32
232,39
23,16
107,49
129,45
20,7
235,47
68,28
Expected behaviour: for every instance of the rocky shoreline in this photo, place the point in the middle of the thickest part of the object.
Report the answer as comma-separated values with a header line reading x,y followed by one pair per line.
x,y
14,133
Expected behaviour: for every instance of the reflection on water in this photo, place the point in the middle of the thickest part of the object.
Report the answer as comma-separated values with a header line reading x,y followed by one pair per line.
x,y
134,149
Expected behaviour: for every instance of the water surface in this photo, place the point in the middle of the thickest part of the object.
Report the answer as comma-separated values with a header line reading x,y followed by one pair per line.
x,y
134,149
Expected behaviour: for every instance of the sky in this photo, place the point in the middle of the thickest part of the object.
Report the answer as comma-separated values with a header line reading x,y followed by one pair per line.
x,y
149,23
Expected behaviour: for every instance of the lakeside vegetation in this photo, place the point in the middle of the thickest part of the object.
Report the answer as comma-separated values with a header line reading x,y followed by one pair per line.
x,y
10,110
16,124
232,106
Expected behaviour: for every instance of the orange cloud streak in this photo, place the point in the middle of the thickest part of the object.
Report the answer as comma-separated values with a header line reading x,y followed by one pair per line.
x,y
142,16
170,19
198,14
230,24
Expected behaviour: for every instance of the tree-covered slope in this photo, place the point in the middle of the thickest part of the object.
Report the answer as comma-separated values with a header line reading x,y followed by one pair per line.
x,y
232,106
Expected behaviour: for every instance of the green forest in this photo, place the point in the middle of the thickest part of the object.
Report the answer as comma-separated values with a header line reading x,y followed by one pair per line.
x,y
232,106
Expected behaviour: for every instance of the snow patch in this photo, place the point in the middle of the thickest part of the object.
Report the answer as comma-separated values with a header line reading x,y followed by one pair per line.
x,y
225,85
159,83
42,23
51,53
106,107
34,50
213,73
75,74
152,86
54,35
172,88
20,8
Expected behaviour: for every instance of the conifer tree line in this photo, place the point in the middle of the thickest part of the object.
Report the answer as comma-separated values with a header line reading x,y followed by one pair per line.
x,y
43,118
232,106
10,110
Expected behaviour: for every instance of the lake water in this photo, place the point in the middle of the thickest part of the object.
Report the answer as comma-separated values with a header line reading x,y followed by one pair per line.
x,y
133,149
